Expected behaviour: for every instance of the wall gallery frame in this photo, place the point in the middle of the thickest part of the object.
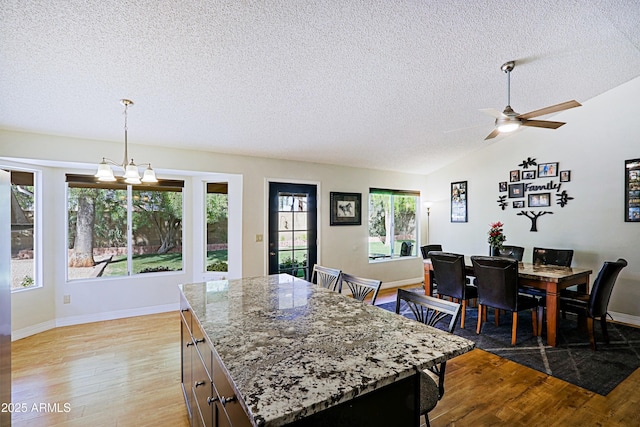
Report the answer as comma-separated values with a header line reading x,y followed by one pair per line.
x,y
346,208
459,201
632,190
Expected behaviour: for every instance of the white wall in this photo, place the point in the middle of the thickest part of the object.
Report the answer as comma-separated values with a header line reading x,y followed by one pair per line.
x,y
595,142
342,247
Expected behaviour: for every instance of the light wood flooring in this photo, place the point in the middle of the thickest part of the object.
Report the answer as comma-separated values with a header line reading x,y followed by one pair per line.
x,y
126,372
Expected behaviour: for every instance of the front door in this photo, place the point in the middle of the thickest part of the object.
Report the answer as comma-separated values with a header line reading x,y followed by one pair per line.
x,y
292,229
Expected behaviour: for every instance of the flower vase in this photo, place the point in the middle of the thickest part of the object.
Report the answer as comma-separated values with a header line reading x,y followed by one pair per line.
x,y
494,251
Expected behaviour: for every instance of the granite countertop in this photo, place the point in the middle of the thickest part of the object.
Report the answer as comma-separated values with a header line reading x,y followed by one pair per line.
x,y
293,348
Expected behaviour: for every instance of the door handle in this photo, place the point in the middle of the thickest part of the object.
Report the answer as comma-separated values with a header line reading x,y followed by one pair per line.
x,y
272,253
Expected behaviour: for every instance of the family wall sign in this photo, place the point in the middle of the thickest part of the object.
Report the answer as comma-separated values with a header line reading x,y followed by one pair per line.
x,y
533,188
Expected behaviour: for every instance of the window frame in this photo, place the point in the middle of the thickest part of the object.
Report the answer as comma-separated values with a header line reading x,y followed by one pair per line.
x,y
394,256
37,226
91,182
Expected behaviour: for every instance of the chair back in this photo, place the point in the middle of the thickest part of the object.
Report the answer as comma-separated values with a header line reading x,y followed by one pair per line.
x,y
449,273
497,281
515,252
544,256
429,310
428,248
603,286
326,277
406,248
361,287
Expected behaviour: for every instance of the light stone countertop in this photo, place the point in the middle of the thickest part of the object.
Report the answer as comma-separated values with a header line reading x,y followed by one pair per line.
x,y
292,348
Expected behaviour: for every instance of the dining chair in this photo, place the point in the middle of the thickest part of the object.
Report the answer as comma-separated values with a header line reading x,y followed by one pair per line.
x,y
449,274
326,277
433,312
406,249
544,256
595,304
510,251
428,248
361,287
497,282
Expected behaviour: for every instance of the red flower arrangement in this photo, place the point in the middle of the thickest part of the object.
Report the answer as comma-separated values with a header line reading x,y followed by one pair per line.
x,y
496,236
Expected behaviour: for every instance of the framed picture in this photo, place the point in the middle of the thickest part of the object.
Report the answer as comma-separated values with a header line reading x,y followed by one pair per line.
x,y
459,201
514,176
539,200
516,191
632,190
529,175
547,169
346,208
565,176
518,204
502,186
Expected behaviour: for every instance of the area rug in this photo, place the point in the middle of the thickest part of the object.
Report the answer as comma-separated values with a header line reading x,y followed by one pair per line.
x,y
572,360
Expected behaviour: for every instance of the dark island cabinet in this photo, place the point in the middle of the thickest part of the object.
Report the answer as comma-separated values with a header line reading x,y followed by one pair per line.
x,y
210,399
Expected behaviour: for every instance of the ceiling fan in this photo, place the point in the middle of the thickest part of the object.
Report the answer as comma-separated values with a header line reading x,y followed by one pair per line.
x,y
509,120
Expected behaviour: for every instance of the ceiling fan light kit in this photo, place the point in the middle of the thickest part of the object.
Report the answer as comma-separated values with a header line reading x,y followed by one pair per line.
x,y
509,121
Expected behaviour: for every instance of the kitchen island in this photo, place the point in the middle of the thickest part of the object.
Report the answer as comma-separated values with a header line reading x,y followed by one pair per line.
x,y
276,350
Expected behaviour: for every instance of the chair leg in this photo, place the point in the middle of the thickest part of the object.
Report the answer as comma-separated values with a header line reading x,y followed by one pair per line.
x,y
426,420
496,316
463,315
534,322
514,328
592,338
540,319
603,324
481,309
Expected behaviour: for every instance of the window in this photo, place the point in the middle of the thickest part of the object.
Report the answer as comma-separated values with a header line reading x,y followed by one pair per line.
x,y
100,216
23,230
393,228
217,226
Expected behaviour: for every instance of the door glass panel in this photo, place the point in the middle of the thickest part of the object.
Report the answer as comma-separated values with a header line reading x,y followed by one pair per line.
x,y
291,244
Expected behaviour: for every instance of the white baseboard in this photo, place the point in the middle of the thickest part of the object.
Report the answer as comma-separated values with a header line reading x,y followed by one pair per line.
x,y
32,330
400,283
90,318
625,318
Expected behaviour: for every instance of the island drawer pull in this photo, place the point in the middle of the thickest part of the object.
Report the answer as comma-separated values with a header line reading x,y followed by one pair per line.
x,y
211,400
225,400
199,383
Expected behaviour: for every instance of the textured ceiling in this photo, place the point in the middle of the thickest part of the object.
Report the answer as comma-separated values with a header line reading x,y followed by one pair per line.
x,y
381,84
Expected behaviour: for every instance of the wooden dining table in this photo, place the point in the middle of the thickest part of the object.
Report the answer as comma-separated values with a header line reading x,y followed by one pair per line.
x,y
549,278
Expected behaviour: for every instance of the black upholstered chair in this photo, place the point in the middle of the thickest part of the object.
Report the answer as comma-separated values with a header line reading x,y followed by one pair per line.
x,y
544,256
449,274
515,252
594,305
361,287
326,277
497,282
428,248
430,311
406,249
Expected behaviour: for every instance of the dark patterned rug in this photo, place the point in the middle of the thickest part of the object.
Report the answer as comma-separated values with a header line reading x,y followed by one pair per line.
x,y
572,360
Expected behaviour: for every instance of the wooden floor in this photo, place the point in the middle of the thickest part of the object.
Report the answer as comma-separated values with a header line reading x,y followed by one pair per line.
x,y
126,373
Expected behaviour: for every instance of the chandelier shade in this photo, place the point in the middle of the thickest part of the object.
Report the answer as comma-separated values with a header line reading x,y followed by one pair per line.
x,y
131,174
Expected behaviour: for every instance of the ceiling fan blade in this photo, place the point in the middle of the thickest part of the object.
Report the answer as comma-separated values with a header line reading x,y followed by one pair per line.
x,y
493,112
493,134
551,109
548,124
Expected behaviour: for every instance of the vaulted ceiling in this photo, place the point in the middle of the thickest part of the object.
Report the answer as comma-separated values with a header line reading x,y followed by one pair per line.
x,y
381,84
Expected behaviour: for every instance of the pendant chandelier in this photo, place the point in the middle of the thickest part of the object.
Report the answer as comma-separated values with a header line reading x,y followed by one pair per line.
x,y
131,173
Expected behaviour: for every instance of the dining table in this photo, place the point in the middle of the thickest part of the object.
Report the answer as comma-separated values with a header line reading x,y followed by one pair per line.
x,y
550,278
